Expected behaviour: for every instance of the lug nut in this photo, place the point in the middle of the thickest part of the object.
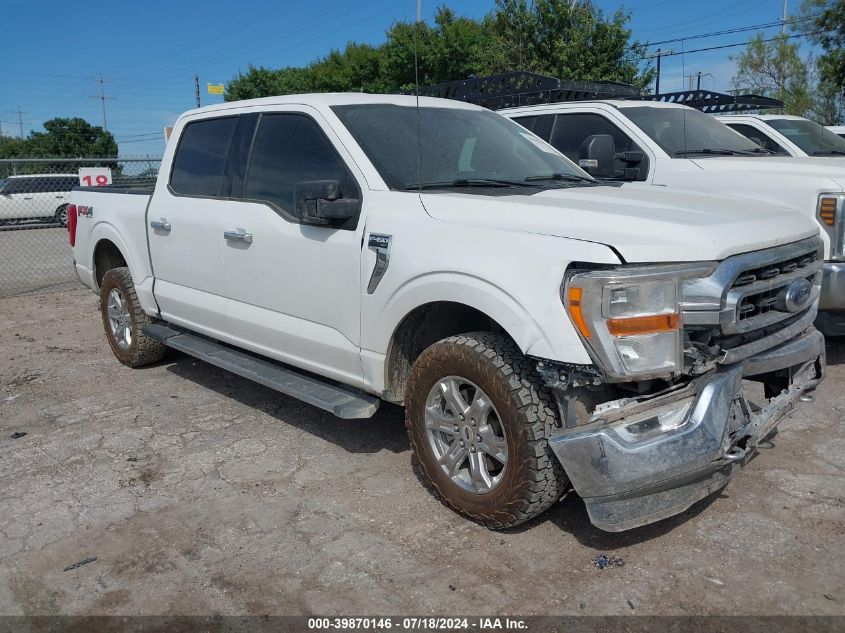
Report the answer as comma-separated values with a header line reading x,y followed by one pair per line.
x,y
479,438
462,443
472,449
473,421
461,416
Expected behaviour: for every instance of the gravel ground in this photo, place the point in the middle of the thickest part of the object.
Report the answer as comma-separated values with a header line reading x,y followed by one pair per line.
x,y
199,492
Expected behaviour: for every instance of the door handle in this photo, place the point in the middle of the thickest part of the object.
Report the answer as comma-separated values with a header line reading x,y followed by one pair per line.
x,y
238,235
28,197
160,224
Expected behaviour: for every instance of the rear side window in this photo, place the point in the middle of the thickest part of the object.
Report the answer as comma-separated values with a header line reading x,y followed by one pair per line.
x,y
288,149
19,185
200,163
752,133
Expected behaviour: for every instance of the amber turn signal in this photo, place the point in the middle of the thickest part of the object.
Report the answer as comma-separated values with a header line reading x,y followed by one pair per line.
x,y
827,211
573,304
651,324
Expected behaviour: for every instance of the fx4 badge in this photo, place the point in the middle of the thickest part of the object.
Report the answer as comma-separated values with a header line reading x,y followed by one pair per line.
x,y
381,245
84,212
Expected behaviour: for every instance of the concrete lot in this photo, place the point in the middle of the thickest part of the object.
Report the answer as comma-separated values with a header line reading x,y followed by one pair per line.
x,y
199,492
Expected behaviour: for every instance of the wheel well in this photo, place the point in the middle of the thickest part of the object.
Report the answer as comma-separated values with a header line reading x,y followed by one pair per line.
x,y
424,326
106,257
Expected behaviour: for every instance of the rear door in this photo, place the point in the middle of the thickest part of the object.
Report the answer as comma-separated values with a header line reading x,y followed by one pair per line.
x,y
185,223
294,289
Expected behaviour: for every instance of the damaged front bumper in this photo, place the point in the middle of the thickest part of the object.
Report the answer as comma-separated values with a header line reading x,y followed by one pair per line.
x,y
651,460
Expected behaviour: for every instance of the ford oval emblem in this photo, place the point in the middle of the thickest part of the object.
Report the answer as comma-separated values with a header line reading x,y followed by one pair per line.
x,y
797,294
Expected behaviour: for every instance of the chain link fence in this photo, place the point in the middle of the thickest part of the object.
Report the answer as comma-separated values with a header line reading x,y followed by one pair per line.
x,y
34,250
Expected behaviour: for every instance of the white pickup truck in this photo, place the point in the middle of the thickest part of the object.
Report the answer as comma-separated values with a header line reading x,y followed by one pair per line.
x,y
543,330
788,135
672,145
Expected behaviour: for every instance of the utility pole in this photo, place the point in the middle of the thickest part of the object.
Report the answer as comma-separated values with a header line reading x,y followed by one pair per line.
x,y
783,19
197,89
658,54
102,97
419,10
20,114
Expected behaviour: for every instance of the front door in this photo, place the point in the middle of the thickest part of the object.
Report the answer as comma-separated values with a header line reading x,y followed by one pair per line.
x,y
294,290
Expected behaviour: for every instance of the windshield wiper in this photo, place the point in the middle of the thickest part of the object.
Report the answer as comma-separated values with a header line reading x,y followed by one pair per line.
x,y
830,152
562,176
710,150
466,182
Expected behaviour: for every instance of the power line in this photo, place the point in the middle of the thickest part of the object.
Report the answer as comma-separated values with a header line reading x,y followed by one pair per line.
x,y
713,48
739,29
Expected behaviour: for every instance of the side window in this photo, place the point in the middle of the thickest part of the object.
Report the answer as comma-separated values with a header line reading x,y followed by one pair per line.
x,y
752,133
571,130
289,149
526,121
200,162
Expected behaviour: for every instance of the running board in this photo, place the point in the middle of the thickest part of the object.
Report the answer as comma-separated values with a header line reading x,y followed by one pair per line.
x,y
342,401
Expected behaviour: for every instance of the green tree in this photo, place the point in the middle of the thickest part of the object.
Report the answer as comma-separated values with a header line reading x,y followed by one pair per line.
x,y
568,40
777,69
825,19
564,39
70,138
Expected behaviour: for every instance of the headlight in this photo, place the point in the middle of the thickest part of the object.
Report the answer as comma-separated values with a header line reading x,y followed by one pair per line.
x,y
630,318
830,212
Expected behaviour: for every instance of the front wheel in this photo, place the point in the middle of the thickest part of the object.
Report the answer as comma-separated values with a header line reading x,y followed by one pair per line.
x,y
478,419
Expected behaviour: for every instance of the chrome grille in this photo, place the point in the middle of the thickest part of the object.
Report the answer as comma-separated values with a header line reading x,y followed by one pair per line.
x,y
743,300
771,280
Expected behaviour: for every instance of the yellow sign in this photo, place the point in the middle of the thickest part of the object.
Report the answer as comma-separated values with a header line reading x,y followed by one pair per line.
x,y
216,89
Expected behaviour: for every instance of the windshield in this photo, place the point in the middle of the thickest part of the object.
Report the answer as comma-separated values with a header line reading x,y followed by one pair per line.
x,y
457,147
812,138
684,131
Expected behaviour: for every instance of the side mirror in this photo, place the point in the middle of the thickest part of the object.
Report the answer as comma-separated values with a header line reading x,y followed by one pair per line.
x,y
597,156
321,203
756,139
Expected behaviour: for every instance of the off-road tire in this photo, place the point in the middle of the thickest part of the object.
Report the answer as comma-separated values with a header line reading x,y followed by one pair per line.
x,y
143,350
533,479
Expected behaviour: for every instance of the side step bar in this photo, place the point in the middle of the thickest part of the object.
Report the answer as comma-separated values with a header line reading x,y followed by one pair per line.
x,y
342,401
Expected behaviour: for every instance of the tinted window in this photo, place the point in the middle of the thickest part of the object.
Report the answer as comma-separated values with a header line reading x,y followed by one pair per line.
x,y
18,185
526,121
811,137
288,149
755,135
571,130
682,132
434,146
200,162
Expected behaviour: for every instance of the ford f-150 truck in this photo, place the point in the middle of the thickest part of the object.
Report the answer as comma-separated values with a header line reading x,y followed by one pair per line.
x,y
672,145
543,330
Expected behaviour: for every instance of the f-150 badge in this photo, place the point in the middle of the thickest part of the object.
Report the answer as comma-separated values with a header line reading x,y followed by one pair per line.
x,y
381,245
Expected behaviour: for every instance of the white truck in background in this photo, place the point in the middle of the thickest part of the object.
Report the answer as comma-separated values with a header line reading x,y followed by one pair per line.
x,y
674,146
543,330
787,135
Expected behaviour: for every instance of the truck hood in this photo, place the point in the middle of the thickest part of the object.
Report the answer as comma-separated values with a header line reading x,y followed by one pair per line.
x,y
820,168
643,225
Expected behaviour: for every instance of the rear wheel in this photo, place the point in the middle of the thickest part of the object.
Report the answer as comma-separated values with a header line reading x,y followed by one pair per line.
x,y
478,419
61,216
123,321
